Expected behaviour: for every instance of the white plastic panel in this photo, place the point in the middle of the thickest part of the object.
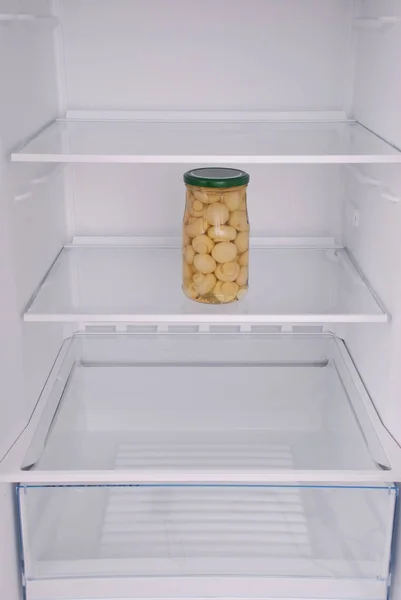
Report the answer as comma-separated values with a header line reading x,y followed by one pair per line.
x,y
142,283
226,55
204,141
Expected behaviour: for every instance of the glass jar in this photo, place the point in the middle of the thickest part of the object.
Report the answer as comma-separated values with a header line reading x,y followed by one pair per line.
x,y
215,235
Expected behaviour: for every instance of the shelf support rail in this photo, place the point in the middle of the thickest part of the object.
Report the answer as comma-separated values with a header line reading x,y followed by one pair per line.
x,y
375,22
385,192
34,182
29,19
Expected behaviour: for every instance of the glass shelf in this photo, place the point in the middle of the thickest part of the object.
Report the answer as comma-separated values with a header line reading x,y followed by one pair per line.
x,y
228,142
143,284
208,408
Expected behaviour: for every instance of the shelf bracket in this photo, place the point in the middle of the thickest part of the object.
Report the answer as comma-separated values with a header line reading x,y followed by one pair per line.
x,y
384,191
29,19
34,182
375,22
52,172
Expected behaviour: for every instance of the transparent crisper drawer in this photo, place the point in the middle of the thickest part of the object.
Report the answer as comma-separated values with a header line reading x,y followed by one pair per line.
x,y
207,408
272,536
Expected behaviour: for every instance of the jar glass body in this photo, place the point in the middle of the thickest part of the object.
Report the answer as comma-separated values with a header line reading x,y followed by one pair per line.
x,y
215,244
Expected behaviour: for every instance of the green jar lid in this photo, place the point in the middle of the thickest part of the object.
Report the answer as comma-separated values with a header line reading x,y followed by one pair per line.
x,y
216,177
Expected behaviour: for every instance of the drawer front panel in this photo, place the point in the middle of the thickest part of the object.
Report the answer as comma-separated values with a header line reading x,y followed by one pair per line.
x,y
207,531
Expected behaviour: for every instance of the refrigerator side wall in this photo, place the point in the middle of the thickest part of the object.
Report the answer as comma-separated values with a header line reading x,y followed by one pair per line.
x,y
31,233
376,239
376,242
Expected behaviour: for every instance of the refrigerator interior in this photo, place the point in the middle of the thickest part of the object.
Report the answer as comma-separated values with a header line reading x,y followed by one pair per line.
x,y
96,59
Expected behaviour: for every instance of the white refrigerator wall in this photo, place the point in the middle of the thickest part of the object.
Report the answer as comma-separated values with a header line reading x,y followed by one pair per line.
x,y
32,210
217,55
31,233
376,241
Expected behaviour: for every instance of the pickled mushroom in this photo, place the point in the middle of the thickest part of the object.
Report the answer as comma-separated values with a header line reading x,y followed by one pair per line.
x,y
207,197
242,241
228,271
217,214
202,244
189,254
243,276
241,292
190,290
244,259
204,263
196,208
204,283
224,252
238,220
196,227
186,270
232,200
222,233
225,291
